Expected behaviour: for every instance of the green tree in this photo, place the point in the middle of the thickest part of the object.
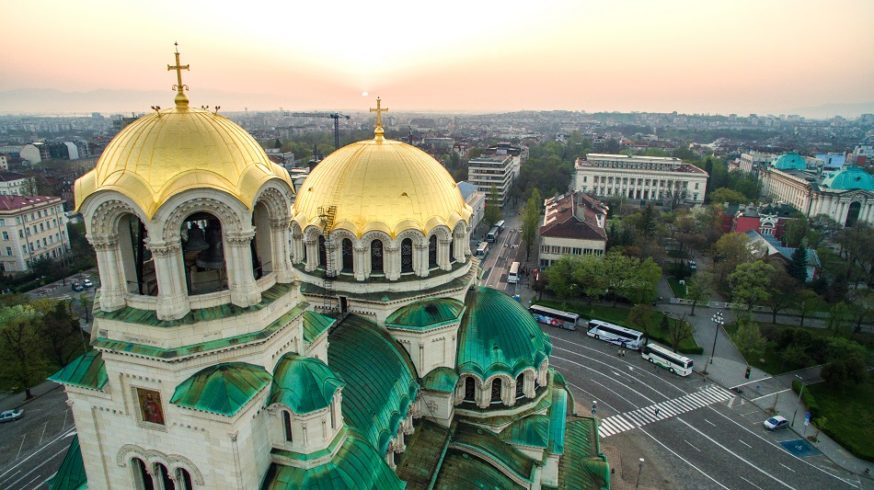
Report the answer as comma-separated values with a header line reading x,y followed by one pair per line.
x,y
839,319
678,331
730,251
862,306
590,273
795,231
699,289
21,347
531,220
724,194
560,277
750,283
783,291
846,362
58,331
492,212
798,264
640,316
807,301
642,284
749,339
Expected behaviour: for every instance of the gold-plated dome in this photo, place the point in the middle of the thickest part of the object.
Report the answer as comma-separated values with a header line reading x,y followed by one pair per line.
x,y
173,150
381,185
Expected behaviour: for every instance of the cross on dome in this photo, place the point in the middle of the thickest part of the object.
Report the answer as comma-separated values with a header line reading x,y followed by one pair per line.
x,y
378,131
181,98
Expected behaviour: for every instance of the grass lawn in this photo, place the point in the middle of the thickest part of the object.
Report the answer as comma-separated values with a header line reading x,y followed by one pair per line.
x,y
619,316
849,418
678,289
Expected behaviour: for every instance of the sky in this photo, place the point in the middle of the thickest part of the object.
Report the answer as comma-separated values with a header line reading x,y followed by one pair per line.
x,y
690,56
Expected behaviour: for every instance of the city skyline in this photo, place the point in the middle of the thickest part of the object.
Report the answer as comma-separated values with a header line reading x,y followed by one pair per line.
x,y
731,57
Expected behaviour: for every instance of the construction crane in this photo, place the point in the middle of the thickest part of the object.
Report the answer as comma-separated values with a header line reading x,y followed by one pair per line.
x,y
333,115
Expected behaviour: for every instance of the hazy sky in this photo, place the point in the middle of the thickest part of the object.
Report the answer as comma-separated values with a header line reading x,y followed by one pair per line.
x,y
763,56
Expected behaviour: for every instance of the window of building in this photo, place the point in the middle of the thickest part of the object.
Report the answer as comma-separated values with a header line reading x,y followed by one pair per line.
x,y
286,422
5,236
20,233
496,390
142,478
9,251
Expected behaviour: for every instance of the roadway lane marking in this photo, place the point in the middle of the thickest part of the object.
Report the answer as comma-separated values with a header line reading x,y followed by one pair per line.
x,y
699,470
753,381
738,456
770,394
693,447
788,468
45,461
66,434
709,422
745,444
751,483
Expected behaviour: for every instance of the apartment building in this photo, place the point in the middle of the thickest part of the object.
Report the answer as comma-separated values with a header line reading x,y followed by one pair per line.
x,y
31,228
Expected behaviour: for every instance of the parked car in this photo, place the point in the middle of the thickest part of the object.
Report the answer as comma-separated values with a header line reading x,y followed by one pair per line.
x,y
776,422
77,286
87,283
693,266
10,415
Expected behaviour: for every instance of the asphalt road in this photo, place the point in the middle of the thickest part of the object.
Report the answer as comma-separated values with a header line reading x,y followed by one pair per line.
x,y
718,445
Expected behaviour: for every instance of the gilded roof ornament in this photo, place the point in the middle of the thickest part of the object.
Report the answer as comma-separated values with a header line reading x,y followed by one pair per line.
x,y
180,88
378,132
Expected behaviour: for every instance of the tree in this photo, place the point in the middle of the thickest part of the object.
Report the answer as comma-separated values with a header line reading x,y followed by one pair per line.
x,y
798,265
750,283
639,316
724,194
749,339
531,220
642,285
862,306
846,362
728,252
57,330
678,331
783,290
559,277
795,231
807,301
492,212
20,346
839,319
699,289
590,273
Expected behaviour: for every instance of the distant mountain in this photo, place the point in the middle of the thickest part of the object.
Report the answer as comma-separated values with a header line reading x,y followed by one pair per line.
x,y
849,110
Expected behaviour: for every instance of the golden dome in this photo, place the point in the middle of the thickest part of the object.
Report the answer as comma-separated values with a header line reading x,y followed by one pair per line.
x,y
174,150
381,185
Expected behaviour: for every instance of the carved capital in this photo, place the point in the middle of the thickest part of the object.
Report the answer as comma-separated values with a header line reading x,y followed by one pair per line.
x,y
104,243
239,239
164,249
279,223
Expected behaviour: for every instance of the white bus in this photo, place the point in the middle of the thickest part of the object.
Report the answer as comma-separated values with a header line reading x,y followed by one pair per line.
x,y
500,225
664,357
513,274
626,337
482,249
554,318
492,235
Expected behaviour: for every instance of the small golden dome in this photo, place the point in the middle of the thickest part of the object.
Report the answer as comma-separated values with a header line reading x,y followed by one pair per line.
x,y
173,150
381,185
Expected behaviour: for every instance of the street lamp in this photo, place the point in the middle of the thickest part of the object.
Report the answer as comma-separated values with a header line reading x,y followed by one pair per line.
x,y
639,471
800,392
718,321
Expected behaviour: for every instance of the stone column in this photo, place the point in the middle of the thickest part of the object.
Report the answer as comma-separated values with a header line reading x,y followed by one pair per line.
x,y
443,260
279,247
528,385
112,290
172,291
297,247
332,247
420,258
391,261
241,281
460,246
360,261
312,247
485,395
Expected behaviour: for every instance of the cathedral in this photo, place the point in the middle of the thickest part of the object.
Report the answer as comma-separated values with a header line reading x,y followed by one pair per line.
x,y
246,336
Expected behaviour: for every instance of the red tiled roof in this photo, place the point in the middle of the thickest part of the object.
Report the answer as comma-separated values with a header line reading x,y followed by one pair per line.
x,y
562,222
12,203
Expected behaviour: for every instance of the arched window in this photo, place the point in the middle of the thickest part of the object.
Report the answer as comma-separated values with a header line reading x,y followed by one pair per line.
x,y
164,477
323,253
286,422
520,386
347,255
137,263
469,389
142,478
262,244
496,390
432,252
203,254
183,478
406,255
376,257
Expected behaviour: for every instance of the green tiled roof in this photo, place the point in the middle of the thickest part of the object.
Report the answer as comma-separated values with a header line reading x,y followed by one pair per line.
x,y
321,453
161,353
441,379
71,475
380,379
303,384
424,315
499,336
582,467
150,318
482,441
426,448
314,324
355,466
222,389
461,470
87,371
531,431
557,421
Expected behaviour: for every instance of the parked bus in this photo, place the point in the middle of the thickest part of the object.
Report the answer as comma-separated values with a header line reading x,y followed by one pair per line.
x,y
500,225
482,249
554,318
626,337
492,235
667,359
513,275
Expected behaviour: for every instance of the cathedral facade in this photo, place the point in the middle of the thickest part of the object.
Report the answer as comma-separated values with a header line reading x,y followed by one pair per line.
x,y
248,337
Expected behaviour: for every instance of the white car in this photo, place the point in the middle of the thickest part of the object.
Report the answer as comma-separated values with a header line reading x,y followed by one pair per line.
x,y
776,422
10,415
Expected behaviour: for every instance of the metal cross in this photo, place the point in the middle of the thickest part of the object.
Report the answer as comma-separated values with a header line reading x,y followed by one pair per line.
x,y
178,67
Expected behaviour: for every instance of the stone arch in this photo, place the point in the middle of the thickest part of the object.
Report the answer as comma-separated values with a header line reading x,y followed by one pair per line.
x,y
376,264
173,462
133,268
106,214
470,385
276,201
230,219
853,212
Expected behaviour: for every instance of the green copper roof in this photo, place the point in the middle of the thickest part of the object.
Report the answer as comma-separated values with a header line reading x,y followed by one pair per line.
x,y
789,161
426,448
425,315
441,379
303,384
582,467
531,431
380,379
461,470
498,335
557,421
483,442
314,324
222,389
86,371
339,438
355,466
850,178
71,475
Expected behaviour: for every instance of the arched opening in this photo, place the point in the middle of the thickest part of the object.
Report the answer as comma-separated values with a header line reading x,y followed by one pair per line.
x,y
142,478
432,252
164,477
406,256
262,244
853,214
137,263
520,386
183,478
496,390
203,254
469,389
376,255
346,250
286,423
323,253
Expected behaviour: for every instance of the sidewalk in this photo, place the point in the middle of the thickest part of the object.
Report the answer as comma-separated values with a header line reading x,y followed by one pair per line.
x,y
8,401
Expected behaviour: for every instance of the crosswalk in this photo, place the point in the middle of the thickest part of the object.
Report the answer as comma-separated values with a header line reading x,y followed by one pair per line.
x,y
622,422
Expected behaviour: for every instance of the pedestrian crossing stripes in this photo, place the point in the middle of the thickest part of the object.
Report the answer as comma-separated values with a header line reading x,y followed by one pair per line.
x,y
622,422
